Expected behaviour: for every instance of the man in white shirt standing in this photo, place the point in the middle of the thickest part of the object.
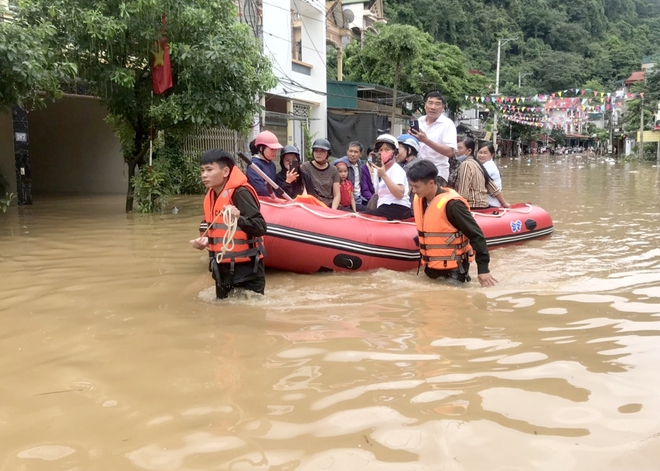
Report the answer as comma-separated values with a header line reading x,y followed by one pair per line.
x,y
436,135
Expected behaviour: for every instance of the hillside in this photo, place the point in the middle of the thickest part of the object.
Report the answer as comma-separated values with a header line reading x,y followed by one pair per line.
x,y
560,44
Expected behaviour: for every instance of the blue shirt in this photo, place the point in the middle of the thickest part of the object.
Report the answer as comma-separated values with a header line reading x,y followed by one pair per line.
x,y
259,184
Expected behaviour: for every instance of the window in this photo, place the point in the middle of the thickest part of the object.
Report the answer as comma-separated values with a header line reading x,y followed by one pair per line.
x,y
296,36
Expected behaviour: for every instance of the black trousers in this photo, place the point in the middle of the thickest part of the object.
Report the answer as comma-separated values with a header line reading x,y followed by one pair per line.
x,y
391,211
455,274
243,275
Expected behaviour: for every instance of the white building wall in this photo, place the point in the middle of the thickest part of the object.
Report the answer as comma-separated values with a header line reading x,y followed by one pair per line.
x,y
296,86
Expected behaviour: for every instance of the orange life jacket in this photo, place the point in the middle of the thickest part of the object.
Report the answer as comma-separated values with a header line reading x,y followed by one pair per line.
x,y
442,246
245,248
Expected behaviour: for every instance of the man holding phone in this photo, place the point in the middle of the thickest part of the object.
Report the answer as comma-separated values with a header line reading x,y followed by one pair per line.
x,y
436,134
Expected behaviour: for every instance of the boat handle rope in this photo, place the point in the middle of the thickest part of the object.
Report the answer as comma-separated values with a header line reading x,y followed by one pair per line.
x,y
338,216
527,210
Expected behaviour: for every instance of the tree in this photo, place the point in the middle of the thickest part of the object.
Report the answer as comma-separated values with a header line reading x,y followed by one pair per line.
x,y
603,39
406,59
385,53
217,67
29,72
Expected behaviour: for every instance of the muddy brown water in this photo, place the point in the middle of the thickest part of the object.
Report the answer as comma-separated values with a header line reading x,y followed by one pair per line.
x,y
115,356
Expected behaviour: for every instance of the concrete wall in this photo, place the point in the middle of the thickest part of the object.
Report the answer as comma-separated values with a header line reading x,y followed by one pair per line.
x,y
72,150
7,165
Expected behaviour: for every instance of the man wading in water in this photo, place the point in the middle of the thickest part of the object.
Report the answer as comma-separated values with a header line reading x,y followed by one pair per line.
x,y
231,204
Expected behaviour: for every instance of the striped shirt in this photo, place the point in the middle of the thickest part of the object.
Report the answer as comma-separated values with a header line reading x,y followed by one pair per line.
x,y
472,184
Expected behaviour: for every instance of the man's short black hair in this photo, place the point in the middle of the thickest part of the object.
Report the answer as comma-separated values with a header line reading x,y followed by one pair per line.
x,y
219,156
423,171
355,144
437,95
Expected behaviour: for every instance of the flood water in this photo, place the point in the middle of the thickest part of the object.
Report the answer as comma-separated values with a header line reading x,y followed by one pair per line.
x,y
115,356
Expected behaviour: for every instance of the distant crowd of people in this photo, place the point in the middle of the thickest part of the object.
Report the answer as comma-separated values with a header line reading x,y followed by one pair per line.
x,y
426,174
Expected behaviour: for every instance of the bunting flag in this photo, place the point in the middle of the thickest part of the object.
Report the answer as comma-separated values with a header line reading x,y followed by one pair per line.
x,y
603,97
161,69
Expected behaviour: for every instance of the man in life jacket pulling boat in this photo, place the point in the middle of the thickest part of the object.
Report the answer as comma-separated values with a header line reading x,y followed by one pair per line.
x,y
231,203
448,234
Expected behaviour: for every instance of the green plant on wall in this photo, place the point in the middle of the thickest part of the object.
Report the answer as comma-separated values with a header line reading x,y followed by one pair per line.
x,y
309,138
5,197
153,186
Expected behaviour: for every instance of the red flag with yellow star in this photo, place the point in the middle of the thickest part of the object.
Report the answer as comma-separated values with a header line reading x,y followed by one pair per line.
x,y
161,69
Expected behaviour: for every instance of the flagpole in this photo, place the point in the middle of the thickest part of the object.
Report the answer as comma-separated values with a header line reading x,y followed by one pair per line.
x,y
151,136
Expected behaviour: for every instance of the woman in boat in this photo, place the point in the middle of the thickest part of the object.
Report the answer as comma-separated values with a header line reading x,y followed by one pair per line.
x,y
408,150
473,183
393,200
485,157
319,177
288,178
267,146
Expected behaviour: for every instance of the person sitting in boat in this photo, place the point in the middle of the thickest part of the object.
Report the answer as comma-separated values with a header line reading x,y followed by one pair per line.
x,y
408,149
474,184
449,236
393,200
355,169
456,161
367,188
231,198
485,156
321,179
288,178
347,198
267,146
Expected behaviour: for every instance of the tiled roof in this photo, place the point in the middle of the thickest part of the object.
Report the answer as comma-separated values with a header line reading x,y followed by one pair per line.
x,y
636,76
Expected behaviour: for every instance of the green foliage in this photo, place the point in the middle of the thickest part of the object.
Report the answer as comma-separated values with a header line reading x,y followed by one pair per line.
x,y
563,43
30,72
153,186
309,139
6,200
405,58
558,135
7,197
183,170
217,66
631,121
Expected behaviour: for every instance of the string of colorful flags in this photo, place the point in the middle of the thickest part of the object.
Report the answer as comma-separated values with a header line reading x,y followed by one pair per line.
x,y
587,93
570,106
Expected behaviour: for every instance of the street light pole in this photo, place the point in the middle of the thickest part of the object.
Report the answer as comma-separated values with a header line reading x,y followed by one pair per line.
x,y
641,131
520,77
497,87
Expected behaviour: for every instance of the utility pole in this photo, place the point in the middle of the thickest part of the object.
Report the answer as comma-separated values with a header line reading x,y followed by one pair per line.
x,y
497,87
611,126
520,76
641,130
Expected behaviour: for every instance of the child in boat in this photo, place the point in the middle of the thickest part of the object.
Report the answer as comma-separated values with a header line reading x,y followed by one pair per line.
x,y
346,199
230,194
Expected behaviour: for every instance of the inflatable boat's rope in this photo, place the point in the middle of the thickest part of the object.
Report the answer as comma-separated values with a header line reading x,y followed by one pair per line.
x,y
333,216
499,212
228,239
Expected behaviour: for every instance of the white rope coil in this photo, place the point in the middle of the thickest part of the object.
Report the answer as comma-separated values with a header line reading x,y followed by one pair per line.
x,y
228,239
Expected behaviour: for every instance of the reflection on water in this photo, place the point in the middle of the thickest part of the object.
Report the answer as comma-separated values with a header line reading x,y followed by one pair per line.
x,y
115,356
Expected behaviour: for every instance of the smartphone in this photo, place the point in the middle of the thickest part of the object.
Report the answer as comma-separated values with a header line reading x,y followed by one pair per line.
x,y
376,160
414,125
294,166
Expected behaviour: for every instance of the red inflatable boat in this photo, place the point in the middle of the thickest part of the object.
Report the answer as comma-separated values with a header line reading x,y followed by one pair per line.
x,y
306,238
